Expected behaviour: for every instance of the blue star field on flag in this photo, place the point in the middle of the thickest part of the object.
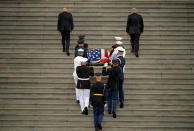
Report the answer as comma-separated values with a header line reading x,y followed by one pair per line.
x,y
94,54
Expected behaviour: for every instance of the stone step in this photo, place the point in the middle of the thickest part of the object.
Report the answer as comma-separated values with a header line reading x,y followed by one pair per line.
x,y
105,122
92,27
130,74
82,128
52,22
162,54
53,12
143,46
93,37
67,58
77,117
92,10
143,57
99,4
100,1
76,15
98,32
52,30
105,128
138,81
45,22
69,105
60,111
53,18
103,45
70,96
131,71
106,42
46,55
59,66
59,50
63,72
127,76
106,119
70,90
63,61
72,85
12,102
104,5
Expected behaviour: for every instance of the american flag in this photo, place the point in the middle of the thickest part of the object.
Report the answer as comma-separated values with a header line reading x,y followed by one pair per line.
x,y
98,54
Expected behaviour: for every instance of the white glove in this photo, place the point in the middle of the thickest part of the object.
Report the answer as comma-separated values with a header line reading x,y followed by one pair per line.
x,y
105,64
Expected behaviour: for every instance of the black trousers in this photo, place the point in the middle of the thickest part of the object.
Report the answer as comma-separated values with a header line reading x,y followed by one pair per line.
x,y
135,42
65,40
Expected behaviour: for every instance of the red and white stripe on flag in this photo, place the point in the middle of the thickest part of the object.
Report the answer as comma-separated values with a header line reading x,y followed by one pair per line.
x,y
105,54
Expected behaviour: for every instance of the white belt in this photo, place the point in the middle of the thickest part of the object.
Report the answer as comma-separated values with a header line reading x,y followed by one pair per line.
x,y
84,79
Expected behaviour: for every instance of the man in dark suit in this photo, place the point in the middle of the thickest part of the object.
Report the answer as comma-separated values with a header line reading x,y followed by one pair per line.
x,y
134,28
65,27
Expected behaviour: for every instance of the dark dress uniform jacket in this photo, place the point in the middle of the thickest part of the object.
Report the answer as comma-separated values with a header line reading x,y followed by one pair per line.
x,y
65,21
135,24
98,100
114,75
121,60
84,72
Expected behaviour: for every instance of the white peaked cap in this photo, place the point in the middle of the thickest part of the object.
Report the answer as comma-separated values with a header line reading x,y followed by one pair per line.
x,y
120,49
118,38
83,60
119,42
80,50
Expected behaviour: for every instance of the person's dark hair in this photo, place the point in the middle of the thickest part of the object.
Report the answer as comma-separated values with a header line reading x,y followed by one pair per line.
x,y
81,37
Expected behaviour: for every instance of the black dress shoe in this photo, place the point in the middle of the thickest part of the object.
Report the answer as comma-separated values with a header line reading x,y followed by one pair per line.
x,y
99,126
96,129
86,110
83,112
109,112
114,115
136,54
121,105
77,101
68,53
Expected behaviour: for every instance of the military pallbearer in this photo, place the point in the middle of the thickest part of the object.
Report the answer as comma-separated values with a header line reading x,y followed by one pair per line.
x,y
112,86
98,100
121,61
83,85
